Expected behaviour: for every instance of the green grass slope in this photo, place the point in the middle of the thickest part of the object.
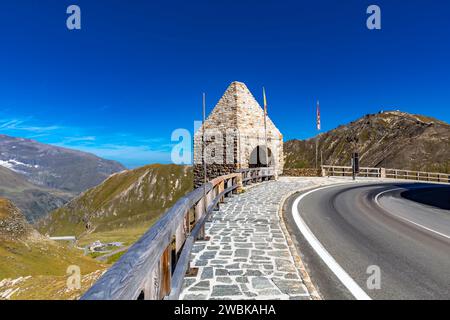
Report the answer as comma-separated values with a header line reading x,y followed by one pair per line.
x,y
34,267
130,200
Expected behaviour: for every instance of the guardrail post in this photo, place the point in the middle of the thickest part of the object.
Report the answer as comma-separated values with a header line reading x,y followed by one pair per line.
x,y
221,188
180,237
166,272
199,210
234,182
240,187
152,285
382,172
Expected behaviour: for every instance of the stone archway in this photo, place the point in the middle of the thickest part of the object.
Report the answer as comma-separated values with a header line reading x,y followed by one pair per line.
x,y
258,157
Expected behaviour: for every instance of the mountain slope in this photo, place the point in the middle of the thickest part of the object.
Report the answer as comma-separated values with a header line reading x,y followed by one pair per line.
x,y
125,200
54,167
38,264
34,201
24,251
390,139
13,225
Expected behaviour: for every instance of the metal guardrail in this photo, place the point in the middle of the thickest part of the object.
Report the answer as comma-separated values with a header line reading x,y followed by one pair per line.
x,y
346,171
154,267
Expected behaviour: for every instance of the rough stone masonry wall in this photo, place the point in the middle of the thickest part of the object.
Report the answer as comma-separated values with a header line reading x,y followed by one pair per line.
x,y
249,144
225,162
250,122
302,172
238,116
212,171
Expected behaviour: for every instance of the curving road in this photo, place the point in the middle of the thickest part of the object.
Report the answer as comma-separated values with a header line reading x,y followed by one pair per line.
x,y
404,229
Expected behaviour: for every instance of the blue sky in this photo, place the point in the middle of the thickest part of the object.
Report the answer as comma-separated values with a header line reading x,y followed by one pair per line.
x,y
136,70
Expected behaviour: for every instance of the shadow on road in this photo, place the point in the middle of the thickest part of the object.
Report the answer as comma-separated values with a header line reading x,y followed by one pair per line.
x,y
432,195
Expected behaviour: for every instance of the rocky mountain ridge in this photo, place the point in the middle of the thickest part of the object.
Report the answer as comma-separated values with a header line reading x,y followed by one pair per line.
x,y
34,201
55,167
390,139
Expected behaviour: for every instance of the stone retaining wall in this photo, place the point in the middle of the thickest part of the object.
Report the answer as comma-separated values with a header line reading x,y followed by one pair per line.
x,y
302,172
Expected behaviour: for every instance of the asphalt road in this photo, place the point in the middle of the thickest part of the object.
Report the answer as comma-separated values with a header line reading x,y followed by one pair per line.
x,y
404,229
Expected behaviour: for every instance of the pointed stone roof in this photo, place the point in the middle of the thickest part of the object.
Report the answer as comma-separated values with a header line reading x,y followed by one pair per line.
x,y
238,109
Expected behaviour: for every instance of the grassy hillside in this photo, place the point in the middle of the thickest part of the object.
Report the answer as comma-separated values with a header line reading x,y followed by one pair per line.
x,y
389,139
130,200
41,258
32,266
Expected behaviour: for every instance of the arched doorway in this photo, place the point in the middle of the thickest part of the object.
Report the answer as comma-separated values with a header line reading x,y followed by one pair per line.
x,y
258,157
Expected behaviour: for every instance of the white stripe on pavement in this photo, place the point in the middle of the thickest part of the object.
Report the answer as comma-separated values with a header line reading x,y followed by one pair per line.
x,y
340,273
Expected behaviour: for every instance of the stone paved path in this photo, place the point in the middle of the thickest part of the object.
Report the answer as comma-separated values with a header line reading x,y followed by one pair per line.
x,y
247,256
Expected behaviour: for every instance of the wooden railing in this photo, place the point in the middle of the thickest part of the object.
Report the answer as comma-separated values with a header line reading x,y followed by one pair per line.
x,y
418,175
344,171
154,267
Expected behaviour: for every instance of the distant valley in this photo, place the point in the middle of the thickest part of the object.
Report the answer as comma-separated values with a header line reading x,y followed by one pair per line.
x,y
34,201
39,178
126,200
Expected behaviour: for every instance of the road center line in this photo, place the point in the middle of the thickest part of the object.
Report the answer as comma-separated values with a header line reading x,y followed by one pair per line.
x,y
340,273
404,219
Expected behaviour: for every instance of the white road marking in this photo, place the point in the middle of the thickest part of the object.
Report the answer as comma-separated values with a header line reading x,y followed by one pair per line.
x,y
340,273
400,217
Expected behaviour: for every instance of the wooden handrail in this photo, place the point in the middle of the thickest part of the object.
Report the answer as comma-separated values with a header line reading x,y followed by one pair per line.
x,y
387,173
154,266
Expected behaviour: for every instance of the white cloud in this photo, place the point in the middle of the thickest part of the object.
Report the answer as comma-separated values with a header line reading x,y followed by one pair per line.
x,y
130,156
21,125
125,147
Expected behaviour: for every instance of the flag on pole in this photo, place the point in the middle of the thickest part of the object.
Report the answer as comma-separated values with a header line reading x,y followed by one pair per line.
x,y
318,115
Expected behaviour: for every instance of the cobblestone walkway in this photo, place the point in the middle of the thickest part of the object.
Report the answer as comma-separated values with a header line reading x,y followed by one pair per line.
x,y
247,256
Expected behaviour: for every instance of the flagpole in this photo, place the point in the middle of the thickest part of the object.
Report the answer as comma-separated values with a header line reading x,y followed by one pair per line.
x,y
204,147
317,147
265,126
318,130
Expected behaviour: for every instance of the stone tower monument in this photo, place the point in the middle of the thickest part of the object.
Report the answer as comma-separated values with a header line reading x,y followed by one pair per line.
x,y
235,137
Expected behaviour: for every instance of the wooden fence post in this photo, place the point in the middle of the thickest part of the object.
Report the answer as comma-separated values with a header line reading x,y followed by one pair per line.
x,y
199,209
220,190
240,185
166,272
153,284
